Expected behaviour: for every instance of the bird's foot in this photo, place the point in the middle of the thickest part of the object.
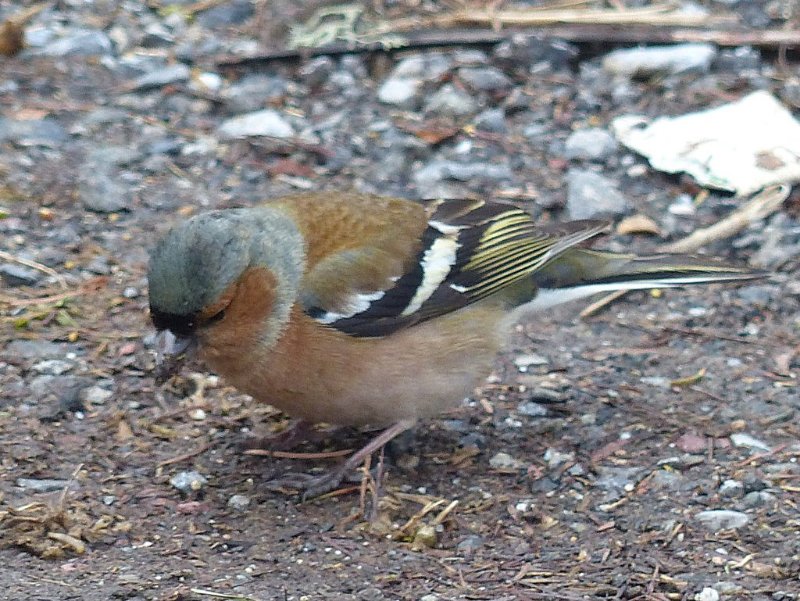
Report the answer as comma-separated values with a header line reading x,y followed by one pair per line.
x,y
313,486
310,485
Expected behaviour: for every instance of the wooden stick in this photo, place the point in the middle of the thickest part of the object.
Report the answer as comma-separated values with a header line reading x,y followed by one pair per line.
x,y
34,265
609,33
762,205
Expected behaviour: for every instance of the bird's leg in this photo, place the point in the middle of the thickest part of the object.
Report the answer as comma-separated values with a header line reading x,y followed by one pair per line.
x,y
313,486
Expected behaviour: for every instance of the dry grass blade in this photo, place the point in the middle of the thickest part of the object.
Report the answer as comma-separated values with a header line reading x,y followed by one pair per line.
x,y
655,15
34,265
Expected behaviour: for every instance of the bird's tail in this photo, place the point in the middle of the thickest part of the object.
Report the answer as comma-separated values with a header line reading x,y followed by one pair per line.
x,y
580,272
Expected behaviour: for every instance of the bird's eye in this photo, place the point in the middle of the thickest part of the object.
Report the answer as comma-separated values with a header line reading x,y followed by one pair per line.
x,y
219,315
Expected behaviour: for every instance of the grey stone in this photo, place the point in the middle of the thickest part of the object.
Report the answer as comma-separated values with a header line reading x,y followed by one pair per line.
x,y
254,91
741,439
472,439
33,132
156,35
34,349
370,594
239,502
228,13
399,91
469,544
673,59
95,395
52,367
504,461
82,42
592,144
725,587
663,479
523,362
188,481
315,71
732,489
18,275
441,170
707,594
554,457
616,479
427,67
493,120
260,123
534,131
532,409
449,101
757,498
591,195
722,519
101,192
45,484
159,78
485,79
758,296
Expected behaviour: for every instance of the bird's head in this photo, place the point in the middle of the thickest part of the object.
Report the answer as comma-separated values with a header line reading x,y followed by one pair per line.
x,y
223,279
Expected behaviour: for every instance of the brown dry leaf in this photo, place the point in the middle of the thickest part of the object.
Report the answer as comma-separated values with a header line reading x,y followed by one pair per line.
x,y
12,38
638,224
124,431
432,133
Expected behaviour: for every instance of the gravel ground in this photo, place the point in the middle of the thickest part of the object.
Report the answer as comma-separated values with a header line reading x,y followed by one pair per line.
x,y
647,452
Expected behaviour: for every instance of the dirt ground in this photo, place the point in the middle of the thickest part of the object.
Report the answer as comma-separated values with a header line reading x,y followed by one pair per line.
x,y
580,470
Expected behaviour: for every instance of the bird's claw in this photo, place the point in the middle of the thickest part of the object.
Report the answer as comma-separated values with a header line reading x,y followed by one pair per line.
x,y
307,485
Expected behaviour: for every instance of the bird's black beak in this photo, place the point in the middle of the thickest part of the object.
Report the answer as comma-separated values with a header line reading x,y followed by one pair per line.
x,y
171,353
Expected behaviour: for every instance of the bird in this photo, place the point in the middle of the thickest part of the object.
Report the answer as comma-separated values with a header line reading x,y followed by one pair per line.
x,y
359,309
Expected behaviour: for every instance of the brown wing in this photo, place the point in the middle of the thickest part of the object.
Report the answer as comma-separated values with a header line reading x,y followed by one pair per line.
x,y
380,265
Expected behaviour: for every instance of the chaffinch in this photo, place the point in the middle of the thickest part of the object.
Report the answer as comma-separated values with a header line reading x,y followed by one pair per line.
x,y
358,309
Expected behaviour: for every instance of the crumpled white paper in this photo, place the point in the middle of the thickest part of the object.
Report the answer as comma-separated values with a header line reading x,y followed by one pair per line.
x,y
740,147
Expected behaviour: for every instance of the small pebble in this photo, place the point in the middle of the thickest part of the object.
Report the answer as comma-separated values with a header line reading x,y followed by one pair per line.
x,y
523,362
592,144
741,439
239,502
590,195
52,367
45,484
727,588
95,395
722,519
188,481
758,498
470,544
707,594
554,457
731,489
260,123
672,59
197,414
532,409
505,461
